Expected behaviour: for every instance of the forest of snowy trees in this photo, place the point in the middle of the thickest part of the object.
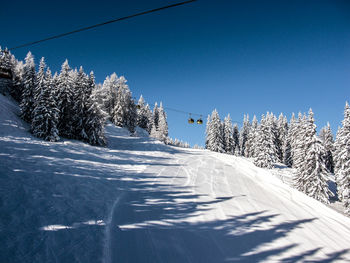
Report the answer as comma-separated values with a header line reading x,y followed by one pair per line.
x,y
70,104
295,144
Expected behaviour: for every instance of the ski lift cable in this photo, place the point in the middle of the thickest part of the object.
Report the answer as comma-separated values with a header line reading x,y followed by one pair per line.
x,y
102,24
189,113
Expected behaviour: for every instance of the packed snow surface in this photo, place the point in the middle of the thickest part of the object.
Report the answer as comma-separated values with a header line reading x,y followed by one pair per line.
x,y
138,200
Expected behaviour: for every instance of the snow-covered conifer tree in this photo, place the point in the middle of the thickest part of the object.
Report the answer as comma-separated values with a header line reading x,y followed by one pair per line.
x,y
149,115
155,115
265,151
142,114
297,141
162,124
17,81
342,160
228,135
235,136
27,101
326,137
124,112
46,113
250,143
39,80
106,95
271,122
94,117
312,174
6,63
65,87
214,133
244,134
282,131
81,94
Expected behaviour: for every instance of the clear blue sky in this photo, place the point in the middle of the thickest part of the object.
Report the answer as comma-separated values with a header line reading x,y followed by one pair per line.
x,y
236,56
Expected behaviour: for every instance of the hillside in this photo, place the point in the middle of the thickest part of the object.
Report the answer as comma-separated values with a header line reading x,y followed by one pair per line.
x,y
138,200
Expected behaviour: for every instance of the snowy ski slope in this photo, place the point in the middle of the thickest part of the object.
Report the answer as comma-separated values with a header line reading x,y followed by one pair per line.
x,y
141,201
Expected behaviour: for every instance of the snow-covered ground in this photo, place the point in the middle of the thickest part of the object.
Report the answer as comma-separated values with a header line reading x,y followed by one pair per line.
x,y
141,201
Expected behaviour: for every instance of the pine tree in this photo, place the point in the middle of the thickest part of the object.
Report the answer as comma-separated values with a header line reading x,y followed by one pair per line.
x,y
326,137
142,114
342,160
244,134
27,101
297,142
288,145
154,132
46,113
39,80
312,174
6,64
271,122
124,112
106,95
162,125
282,131
149,117
214,133
235,136
81,94
155,115
94,117
228,135
65,87
250,144
17,81
265,152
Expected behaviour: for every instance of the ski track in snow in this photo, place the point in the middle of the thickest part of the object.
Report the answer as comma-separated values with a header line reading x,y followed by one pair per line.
x,y
142,201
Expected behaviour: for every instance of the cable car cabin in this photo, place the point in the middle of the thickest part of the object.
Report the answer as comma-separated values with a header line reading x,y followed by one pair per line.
x,y
199,121
190,121
5,73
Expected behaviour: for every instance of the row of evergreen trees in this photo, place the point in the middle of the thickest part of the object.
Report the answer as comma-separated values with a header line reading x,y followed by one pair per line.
x,y
295,144
71,105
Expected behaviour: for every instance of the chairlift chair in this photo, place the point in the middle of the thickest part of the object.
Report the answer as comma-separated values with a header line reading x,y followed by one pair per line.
x,y
190,120
200,121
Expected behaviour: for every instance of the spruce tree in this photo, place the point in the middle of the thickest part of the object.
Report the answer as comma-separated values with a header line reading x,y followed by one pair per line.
x,y
235,136
228,135
162,125
342,160
265,152
65,87
250,144
39,80
81,93
155,115
6,63
94,117
282,131
297,142
46,113
142,114
27,101
312,174
17,81
214,134
124,112
326,137
243,137
106,95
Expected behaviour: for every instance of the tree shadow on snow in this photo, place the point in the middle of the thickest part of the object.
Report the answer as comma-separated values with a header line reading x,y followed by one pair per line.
x,y
71,202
